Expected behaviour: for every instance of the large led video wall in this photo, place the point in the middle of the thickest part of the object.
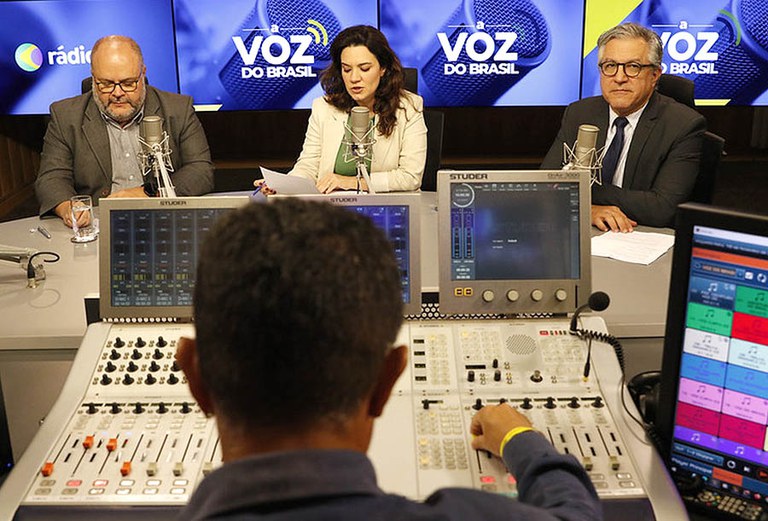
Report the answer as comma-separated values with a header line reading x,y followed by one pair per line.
x,y
268,54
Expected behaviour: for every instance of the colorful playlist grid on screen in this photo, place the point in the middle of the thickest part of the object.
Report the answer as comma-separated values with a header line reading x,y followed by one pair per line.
x,y
723,388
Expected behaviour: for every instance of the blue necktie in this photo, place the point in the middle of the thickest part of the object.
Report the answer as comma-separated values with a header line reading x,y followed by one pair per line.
x,y
611,158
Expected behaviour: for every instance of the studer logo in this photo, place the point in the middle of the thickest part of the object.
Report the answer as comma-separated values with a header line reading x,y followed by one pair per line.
x,y
172,202
469,176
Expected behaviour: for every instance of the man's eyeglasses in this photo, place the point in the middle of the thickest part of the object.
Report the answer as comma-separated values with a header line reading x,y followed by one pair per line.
x,y
631,69
108,87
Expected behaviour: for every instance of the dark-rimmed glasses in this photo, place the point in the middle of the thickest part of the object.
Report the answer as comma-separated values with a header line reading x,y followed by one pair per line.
x,y
631,69
108,87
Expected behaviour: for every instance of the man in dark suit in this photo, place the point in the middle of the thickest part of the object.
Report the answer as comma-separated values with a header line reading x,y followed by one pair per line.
x,y
91,145
653,143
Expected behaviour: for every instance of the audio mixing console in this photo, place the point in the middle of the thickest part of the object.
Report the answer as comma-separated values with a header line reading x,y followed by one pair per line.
x,y
126,439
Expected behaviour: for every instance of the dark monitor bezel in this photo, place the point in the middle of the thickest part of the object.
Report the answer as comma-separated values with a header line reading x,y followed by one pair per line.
x,y
146,313
453,298
689,216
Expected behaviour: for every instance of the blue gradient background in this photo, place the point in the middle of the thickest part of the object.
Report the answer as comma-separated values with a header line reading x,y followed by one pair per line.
x,y
701,15
411,28
71,23
204,31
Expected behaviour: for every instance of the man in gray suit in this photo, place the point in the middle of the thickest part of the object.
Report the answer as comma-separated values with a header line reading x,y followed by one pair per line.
x,y
91,145
653,142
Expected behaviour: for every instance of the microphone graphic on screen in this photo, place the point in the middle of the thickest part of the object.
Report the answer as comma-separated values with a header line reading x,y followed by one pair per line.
x,y
742,64
499,19
283,20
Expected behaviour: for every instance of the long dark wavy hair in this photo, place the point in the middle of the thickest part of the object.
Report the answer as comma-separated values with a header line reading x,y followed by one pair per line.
x,y
387,97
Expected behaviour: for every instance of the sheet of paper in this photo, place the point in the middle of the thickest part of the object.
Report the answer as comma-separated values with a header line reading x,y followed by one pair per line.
x,y
636,247
288,184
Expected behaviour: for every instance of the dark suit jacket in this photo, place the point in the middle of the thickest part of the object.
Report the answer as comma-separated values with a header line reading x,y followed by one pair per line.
x,y
76,157
662,162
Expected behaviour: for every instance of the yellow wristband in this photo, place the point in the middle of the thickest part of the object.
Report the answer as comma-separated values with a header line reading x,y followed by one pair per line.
x,y
511,434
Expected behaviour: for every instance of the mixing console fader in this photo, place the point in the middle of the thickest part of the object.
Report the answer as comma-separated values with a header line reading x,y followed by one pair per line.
x,y
126,435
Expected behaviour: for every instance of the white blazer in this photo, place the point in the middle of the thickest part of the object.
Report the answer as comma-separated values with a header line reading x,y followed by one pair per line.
x,y
398,160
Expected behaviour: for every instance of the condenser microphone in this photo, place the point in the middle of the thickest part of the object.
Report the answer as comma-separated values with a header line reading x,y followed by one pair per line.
x,y
155,157
584,149
151,130
598,301
360,143
359,123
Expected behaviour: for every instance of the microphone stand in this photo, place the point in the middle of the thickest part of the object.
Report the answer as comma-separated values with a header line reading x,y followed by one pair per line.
x,y
158,161
359,150
591,160
362,170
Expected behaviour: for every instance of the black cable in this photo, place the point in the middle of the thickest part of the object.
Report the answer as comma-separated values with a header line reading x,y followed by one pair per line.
x,y
31,267
587,334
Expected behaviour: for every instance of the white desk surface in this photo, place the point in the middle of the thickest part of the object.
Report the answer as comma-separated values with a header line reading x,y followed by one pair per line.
x,y
52,316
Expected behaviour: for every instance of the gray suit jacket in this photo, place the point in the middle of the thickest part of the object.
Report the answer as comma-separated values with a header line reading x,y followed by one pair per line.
x,y
662,162
76,157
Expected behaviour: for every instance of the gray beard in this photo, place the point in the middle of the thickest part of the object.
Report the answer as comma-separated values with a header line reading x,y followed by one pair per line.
x,y
122,119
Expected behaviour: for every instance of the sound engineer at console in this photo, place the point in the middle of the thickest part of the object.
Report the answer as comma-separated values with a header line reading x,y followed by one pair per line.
x,y
297,306
654,142
364,72
92,142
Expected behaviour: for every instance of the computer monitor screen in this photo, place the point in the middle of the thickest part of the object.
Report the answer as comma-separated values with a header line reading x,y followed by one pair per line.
x,y
713,411
513,241
262,55
721,46
489,52
45,47
399,216
148,253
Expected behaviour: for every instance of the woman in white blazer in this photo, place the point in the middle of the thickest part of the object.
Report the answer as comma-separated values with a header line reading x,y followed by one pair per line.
x,y
364,72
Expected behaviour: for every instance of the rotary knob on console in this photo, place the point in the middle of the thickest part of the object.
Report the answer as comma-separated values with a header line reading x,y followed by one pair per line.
x,y
138,408
110,367
598,402
478,404
114,355
161,342
105,380
128,379
497,375
526,404
92,408
150,379
550,403
185,408
157,355
136,354
114,408
173,379
470,376
140,342
119,342
162,408
536,376
574,403
132,367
